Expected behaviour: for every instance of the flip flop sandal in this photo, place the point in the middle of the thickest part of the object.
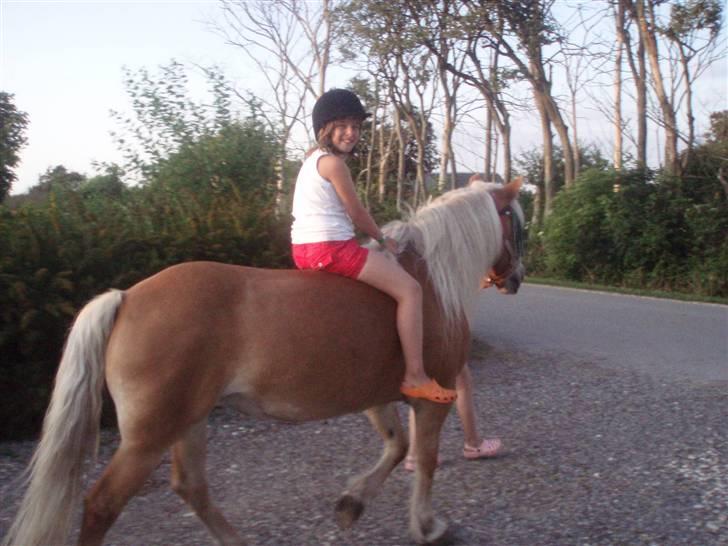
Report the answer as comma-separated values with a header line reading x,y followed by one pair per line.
x,y
488,448
430,391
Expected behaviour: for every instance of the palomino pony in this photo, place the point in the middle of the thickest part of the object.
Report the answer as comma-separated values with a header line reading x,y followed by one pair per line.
x,y
288,345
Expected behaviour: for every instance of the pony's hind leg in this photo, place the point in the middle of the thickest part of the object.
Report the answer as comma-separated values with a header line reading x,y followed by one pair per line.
x,y
362,489
429,418
123,477
189,480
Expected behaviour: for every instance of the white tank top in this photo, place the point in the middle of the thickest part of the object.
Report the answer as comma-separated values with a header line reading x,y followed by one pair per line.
x,y
318,213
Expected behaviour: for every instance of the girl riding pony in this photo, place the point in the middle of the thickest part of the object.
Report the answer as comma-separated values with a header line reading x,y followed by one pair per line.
x,y
326,208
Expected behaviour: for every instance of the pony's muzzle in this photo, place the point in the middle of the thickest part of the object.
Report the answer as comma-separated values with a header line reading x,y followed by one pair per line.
x,y
514,280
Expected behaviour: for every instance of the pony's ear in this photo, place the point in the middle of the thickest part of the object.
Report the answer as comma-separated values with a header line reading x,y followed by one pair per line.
x,y
477,177
512,188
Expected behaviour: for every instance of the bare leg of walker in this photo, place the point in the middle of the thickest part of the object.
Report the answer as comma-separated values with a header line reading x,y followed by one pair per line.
x,y
474,447
466,406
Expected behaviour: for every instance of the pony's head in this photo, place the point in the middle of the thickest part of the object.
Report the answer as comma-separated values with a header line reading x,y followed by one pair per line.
x,y
464,239
508,271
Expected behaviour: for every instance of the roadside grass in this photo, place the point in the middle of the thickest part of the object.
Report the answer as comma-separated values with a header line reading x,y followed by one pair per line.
x,y
681,296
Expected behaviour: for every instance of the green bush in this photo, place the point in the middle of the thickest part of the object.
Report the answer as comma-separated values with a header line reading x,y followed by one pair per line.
x,y
636,230
211,200
58,255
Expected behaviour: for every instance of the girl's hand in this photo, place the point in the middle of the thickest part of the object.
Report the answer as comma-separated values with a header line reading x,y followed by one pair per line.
x,y
391,245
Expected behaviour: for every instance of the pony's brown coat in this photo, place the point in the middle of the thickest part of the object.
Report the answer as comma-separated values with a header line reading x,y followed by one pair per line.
x,y
288,345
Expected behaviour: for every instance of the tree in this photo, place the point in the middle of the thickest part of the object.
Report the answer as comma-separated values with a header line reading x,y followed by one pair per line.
x,y
13,123
385,33
164,118
619,22
454,32
291,43
58,178
638,69
106,185
708,162
239,158
693,28
533,27
646,18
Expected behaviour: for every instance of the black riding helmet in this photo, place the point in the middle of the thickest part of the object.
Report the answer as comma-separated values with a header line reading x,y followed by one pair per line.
x,y
336,104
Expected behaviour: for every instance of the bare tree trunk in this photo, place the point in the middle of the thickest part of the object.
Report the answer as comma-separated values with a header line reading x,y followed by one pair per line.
x,y
489,170
447,154
268,32
494,174
688,105
446,145
646,20
498,108
639,75
370,151
563,131
641,84
722,179
507,163
453,172
402,143
618,142
536,215
280,170
573,81
385,152
575,150
545,102
549,192
488,152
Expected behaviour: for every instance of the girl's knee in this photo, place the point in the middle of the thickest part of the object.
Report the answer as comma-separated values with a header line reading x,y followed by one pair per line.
x,y
412,289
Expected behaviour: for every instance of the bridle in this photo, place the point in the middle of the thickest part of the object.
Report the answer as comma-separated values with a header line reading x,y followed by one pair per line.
x,y
513,248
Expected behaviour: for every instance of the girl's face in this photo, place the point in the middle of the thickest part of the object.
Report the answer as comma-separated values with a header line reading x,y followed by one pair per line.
x,y
345,134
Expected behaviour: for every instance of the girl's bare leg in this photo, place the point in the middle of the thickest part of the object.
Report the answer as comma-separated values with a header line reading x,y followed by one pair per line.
x,y
389,277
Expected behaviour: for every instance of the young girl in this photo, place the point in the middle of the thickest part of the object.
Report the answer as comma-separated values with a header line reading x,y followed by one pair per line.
x,y
326,209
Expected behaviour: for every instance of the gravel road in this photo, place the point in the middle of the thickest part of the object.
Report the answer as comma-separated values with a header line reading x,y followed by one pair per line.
x,y
596,456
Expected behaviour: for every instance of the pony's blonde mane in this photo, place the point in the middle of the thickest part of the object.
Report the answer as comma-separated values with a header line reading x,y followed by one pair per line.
x,y
459,235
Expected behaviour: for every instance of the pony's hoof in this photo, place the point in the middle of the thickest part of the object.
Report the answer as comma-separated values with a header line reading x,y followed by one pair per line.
x,y
433,531
348,510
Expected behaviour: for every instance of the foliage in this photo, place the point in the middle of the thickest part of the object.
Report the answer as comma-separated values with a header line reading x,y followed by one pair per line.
x,y
12,128
210,196
634,230
164,118
240,155
530,163
60,253
358,163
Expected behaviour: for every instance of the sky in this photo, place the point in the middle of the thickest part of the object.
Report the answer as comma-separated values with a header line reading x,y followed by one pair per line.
x,y
63,60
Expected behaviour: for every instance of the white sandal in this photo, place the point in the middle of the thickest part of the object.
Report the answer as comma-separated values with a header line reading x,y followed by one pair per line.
x,y
487,448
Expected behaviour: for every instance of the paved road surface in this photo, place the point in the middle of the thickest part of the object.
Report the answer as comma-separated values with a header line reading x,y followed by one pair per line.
x,y
664,338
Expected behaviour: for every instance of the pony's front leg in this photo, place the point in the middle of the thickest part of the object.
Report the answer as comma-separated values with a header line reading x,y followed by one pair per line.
x,y
425,528
363,488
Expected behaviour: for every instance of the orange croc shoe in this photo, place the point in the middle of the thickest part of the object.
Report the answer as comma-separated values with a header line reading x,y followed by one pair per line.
x,y
430,391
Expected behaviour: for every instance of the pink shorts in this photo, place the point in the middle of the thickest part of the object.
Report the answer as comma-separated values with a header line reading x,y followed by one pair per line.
x,y
345,258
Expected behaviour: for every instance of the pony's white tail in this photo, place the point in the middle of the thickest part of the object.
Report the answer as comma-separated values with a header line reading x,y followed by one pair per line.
x,y
70,430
